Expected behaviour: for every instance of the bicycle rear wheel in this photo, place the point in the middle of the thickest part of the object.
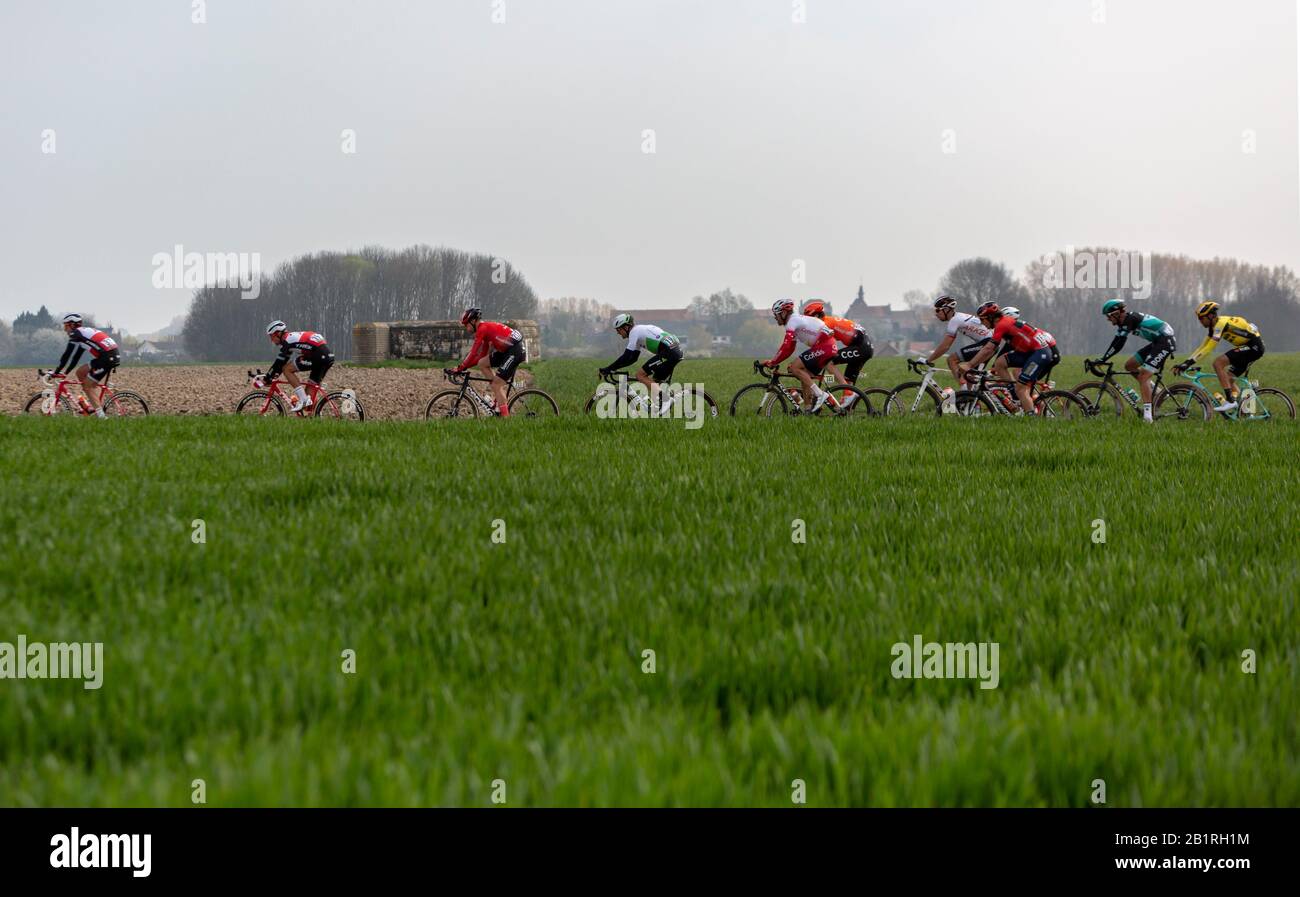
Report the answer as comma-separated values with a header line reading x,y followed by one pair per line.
x,y
1182,401
125,403
1271,404
759,400
874,402
341,405
1061,404
451,404
531,403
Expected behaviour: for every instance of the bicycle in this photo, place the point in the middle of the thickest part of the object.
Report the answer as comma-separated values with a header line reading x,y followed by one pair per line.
x,y
917,396
638,402
844,399
990,396
1254,402
271,399
55,397
468,402
1182,401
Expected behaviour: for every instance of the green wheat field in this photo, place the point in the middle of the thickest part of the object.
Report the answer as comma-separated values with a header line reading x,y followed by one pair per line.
x,y
523,661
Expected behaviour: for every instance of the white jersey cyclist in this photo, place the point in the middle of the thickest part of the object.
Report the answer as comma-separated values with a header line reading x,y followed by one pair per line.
x,y
967,330
808,330
650,338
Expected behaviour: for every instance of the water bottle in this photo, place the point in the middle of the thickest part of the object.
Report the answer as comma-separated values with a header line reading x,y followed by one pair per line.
x,y
83,405
1132,395
949,400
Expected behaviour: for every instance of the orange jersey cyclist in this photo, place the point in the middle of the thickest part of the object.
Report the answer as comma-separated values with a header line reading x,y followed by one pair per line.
x,y
313,357
498,351
820,352
104,358
856,345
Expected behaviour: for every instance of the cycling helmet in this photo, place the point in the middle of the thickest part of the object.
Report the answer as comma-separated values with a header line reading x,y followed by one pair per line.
x,y
471,314
623,321
944,302
1112,305
1205,309
1011,312
782,305
72,318
988,310
276,327
814,307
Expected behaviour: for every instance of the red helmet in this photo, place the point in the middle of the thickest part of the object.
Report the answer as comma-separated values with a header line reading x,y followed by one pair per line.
x,y
782,305
814,307
988,310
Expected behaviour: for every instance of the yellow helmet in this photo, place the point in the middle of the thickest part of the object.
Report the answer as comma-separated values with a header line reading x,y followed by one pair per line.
x,y
1205,309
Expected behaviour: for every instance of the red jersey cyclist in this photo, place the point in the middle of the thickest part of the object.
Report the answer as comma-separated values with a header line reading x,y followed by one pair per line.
x,y
820,352
104,358
1033,351
498,351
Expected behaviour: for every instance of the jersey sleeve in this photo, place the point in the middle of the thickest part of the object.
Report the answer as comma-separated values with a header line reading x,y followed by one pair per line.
x,y
478,350
787,347
1208,345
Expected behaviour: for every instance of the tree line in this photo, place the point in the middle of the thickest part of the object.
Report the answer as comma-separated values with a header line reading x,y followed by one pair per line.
x,y
331,291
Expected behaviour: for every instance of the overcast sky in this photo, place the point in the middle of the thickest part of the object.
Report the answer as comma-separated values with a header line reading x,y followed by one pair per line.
x,y
774,141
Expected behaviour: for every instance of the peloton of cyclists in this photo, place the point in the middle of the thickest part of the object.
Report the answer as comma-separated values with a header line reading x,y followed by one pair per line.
x,y
820,352
1032,354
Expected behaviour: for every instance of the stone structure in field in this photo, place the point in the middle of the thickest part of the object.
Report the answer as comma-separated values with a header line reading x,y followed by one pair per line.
x,y
427,340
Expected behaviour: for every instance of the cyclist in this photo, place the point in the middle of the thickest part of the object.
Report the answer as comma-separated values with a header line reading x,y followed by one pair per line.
x,y
498,351
1148,360
820,352
104,358
1243,335
857,349
659,367
1033,350
964,330
314,355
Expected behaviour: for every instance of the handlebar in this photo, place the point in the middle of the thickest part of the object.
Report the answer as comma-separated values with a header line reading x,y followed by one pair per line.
x,y
455,376
1098,368
917,366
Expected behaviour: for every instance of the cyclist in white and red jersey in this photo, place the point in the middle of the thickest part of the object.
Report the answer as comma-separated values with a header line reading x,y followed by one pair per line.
x,y
965,332
314,356
104,358
820,352
498,351
1033,350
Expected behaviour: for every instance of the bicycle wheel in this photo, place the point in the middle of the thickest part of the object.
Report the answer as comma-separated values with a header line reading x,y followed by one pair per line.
x,y
451,404
910,398
1099,400
125,403
1182,401
759,400
340,405
972,404
33,405
257,403
1062,404
689,401
531,403
874,402
1271,404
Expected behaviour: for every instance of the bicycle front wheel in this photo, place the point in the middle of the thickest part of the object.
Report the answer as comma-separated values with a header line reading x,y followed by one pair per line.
x,y
125,404
33,405
451,404
531,403
870,402
259,403
758,400
1182,401
910,398
1099,400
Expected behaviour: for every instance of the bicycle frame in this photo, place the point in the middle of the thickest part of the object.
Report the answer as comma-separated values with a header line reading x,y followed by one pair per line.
x,y
794,395
314,391
1108,379
465,378
62,390
1244,385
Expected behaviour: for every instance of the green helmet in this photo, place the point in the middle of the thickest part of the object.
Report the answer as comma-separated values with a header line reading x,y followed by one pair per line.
x,y
623,321
1112,305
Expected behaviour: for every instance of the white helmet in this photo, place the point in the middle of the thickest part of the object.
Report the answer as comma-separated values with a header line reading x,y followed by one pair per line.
x,y
1010,311
72,318
276,327
623,321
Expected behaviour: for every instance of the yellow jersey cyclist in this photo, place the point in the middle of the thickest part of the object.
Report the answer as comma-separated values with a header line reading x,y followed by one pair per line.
x,y
1241,334
659,367
1150,359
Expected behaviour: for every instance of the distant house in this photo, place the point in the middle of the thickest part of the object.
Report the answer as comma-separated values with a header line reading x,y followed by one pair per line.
x,y
721,342
148,348
162,349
